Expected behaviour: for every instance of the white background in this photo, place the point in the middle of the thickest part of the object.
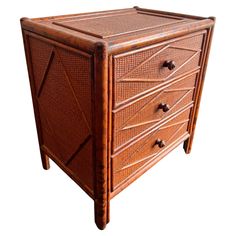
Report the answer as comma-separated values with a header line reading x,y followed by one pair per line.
x,y
181,195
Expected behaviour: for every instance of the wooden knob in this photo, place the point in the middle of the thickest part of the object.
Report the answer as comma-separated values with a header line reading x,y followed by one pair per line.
x,y
169,64
165,107
160,143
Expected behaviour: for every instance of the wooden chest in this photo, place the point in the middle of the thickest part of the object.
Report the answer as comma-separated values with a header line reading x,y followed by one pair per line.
x,y
114,92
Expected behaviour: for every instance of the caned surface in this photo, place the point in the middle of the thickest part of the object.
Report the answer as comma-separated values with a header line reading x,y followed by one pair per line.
x,y
145,113
63,92
131,159
110,25
118,24
136,73
114,92
141,83
62,81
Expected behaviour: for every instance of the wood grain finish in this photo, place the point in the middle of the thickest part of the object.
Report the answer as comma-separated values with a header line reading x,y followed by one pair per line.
x,y
114,92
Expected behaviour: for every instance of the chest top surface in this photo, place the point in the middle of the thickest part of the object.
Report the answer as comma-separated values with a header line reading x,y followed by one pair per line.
x,y
111,24
118,26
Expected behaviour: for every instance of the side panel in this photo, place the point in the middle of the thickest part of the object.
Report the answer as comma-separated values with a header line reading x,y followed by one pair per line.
x,y
204,60
60,79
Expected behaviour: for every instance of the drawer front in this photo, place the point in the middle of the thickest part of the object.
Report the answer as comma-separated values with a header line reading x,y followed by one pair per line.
x,y
148,111
127,162
145,69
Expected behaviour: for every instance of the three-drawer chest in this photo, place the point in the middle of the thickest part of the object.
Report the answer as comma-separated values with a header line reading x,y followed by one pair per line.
x,y
114,92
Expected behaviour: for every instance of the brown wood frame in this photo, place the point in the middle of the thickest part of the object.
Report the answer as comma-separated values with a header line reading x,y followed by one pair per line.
x,y
102,52
192,124
101,135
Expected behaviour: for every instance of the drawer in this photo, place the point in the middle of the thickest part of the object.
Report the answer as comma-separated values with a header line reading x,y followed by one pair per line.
x,y
134,157
145,69
148,111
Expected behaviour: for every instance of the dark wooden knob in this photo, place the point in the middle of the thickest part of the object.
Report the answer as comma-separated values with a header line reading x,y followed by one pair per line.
x,y
169,64
160,143
165,107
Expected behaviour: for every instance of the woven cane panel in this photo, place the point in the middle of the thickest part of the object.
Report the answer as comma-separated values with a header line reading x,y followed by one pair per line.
x,y
144,113
122,67
48,136
149,72
81,165
78,69
40,53
61,109
105,27
194,42
122,116
131,159
64,99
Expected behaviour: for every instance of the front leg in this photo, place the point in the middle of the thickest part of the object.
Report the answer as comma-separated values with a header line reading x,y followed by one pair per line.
x,y
45,161
101,213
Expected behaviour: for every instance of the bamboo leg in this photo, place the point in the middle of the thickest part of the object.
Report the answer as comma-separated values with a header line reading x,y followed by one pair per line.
x,y
188,145
45,161
101,219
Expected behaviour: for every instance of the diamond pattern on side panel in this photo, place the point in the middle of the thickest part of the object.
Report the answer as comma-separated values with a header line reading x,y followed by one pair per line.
x,y
79,72
63,87
40,54
61,109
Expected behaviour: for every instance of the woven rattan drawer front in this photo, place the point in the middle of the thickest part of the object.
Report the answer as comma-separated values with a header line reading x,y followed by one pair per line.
x,y
145,69
131,159
132,120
